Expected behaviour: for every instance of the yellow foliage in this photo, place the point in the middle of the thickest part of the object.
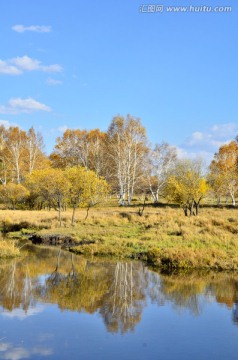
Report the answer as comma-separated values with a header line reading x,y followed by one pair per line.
x,y
13,193
185,185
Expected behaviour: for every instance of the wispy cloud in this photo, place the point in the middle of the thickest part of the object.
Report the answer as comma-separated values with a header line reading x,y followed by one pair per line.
x,y
213,138
62,128
22,314
205,144
228,130
53,82
7,68
11,352
33,28
189,154
20,64
18,105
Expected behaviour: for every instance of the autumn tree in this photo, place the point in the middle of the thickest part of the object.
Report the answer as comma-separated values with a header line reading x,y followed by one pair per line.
x,y
20,153
71,149
52,186
126,151
187,186
13,193
85,188
160,161
4,161
80,148
13,152
216,182
75,186
97,159
223,173
34,159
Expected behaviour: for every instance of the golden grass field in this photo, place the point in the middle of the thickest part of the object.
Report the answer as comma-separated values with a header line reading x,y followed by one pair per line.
x,y
163,236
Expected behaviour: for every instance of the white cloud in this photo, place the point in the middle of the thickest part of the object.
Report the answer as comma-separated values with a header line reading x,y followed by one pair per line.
x,y
186,154
11,352
22,314
205,144
18,105
17,66
182,154
16,353
7,124
34,28
213,138
62,128
25,63
53,82
8,69
51,68
197,136
4,346
222,131
40,350
208,140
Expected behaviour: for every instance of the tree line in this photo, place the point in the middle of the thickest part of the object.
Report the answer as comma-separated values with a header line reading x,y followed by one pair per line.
x,y
85,166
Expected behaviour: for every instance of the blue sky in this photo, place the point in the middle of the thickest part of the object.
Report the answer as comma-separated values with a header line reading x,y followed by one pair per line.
x,y
77,64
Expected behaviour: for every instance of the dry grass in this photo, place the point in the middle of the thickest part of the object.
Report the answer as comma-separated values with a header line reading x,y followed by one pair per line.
x,y
8,249
162,236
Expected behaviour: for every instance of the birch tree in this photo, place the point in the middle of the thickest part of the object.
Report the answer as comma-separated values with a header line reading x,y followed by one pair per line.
x,y
4,161
14,151
80,148
127,147
34,150
20,153
161,159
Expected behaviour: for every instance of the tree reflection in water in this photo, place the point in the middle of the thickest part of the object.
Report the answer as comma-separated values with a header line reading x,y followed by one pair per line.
x,y
192,291
123,307
118,291
16,286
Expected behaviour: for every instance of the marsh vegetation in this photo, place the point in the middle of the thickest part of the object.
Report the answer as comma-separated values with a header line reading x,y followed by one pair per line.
x,y
163,236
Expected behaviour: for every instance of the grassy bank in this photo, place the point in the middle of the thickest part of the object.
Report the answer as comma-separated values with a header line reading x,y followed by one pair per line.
x,y
8,249
162,236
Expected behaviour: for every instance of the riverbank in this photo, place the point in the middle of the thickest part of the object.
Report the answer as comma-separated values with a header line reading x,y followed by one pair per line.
x,y
163,237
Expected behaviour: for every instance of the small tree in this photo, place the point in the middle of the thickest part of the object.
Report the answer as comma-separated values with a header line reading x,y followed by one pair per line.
x,y
85,189
186,186
97,190
52,186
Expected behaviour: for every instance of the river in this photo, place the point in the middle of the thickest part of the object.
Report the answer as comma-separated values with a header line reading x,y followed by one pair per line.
x,y
56,305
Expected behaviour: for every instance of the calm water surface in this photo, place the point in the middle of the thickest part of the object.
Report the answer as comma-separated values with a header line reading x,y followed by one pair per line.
x,y
55,305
